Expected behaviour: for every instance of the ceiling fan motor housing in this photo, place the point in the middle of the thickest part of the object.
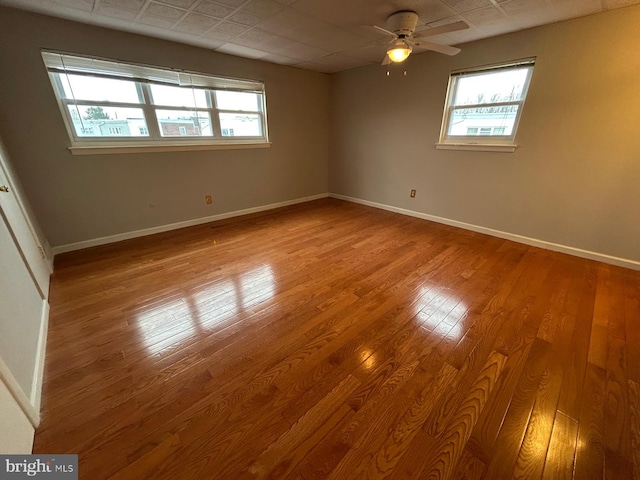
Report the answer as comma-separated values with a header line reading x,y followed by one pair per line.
x,y
403,23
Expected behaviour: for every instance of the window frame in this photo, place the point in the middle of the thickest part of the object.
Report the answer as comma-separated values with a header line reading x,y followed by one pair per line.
x,y
478,141
143,76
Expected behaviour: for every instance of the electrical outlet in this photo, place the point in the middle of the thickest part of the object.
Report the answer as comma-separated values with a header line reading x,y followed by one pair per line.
x,y
413,194
208,200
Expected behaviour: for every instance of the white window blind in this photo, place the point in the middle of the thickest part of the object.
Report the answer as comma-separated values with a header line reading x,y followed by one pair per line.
x,y
65,63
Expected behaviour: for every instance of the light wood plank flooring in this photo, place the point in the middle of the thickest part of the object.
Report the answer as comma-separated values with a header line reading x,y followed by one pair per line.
x,y
333,340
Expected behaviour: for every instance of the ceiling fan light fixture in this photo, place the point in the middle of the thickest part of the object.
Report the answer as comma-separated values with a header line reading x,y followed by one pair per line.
x,y
399,51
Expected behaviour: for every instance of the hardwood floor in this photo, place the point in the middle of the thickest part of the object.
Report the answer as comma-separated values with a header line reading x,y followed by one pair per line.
x,y
332,340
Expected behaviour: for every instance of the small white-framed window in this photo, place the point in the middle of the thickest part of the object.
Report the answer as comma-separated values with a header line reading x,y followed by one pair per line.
x,y
107,103
484,105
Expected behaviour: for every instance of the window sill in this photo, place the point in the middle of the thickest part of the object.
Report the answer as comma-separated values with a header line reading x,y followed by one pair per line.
x,y
477,147
115,149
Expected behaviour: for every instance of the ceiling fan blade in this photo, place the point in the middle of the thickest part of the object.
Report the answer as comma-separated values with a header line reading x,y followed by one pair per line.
x,y
383,30
436,47
449,27
386,60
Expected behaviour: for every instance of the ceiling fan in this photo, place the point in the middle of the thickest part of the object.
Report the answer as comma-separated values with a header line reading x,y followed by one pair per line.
x,y
402,27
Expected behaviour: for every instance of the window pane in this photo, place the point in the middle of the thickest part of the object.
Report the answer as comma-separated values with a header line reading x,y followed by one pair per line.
x,y
97,89
101,121
483,121
238,101
500,86
240,125
184,123
178,96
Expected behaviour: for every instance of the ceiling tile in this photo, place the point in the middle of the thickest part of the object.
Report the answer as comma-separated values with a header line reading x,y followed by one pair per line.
x,y
439,23
263,8
220,36
485,17
126,4
373,53
318,67
230,28
294,49
164,11
200,20
213,9
191,28
284,22
245,18
231,3
178,3
350,13
529,13
337,39
257,35
340,60
246,43
434,11
571,8
462,36
242,51
156,21
322,35
293,24
280,59
114,12
86,5
462,6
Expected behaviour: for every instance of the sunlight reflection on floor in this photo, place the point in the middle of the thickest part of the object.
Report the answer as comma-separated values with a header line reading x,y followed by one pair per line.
x,y
439,311
205,310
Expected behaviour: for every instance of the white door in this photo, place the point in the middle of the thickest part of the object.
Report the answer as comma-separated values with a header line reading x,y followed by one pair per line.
x,y
21,308
16,217
24,285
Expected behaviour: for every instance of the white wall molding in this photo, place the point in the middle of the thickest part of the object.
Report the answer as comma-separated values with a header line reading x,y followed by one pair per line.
x,y
38,376
18,394
174,226
16,431
577,252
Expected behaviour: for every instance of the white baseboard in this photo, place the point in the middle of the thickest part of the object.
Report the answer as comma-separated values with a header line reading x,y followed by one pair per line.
x,y
600,257
174,226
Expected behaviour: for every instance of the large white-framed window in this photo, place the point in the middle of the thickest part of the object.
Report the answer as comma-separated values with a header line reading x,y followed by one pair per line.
x,y
484,106
110,106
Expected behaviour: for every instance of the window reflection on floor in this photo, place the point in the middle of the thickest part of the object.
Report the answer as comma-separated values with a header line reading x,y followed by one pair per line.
x,y
368,359
208,308
439,311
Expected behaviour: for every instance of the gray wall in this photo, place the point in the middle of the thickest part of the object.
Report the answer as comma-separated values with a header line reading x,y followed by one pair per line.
x,y
79,198
575,178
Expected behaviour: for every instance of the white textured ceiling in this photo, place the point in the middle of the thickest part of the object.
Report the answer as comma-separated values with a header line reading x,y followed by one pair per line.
x,y
322,35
